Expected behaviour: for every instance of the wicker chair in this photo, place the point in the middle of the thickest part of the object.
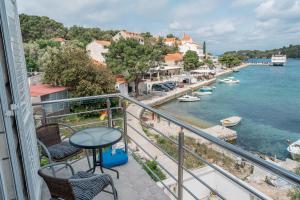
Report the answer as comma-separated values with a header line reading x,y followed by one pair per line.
x,y
75,186
53,146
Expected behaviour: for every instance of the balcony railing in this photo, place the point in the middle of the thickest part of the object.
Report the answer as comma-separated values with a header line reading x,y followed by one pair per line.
x,y
115,105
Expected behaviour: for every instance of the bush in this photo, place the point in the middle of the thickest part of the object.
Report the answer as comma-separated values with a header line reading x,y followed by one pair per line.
x,y
152,165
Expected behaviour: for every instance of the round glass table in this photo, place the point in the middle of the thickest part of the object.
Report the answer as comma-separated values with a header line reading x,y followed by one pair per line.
x,y
96,139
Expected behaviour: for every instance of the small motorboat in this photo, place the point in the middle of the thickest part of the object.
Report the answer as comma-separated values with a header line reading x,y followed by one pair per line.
x,y
188,98
229,80
231,121
206,89
235,70
294,150
202,93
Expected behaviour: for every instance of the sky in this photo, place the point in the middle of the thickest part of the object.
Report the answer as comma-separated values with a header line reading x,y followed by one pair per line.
x,y
225,25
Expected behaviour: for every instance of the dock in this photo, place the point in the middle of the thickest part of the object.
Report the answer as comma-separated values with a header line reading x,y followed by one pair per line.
x,y
221,132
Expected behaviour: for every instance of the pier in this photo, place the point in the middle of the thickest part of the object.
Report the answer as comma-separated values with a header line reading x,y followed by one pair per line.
x,y
260,63
221,132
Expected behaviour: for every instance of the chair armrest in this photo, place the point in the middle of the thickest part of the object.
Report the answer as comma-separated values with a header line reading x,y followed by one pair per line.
x,y
69,127
44,148
59,163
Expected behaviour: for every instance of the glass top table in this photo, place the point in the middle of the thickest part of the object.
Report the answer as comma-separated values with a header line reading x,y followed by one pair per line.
x,y
96,139
92,138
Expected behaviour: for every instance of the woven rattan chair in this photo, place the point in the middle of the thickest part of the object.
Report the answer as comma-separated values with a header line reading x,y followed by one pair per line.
x,y
54,147
75,186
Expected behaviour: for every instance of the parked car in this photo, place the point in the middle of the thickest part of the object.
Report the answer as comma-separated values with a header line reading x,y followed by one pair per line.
x,y
160,87
171,87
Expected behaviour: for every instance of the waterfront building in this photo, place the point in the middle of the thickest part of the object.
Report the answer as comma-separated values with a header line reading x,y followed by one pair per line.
x,y
187,44
97,48
170,41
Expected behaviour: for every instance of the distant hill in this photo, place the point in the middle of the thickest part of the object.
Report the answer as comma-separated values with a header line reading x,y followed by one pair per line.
x,y
43,28
292,51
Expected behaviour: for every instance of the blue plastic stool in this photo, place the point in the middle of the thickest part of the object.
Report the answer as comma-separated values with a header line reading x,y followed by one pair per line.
x,y
119,158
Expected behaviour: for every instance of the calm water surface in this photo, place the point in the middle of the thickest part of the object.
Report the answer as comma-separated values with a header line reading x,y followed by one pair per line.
x,y
268,100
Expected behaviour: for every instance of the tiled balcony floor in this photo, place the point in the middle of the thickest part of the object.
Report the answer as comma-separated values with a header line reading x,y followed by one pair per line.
x,y
134,183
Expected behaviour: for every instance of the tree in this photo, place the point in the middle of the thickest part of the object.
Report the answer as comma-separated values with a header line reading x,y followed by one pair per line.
x,y
191,60
170,35
132,60
36,27
204,49
70,66
230,60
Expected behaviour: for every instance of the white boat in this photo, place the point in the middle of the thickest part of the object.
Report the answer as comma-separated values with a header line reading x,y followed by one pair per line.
x,y
229,80
294,150
231,121
202,93
188,98
278,60
206,89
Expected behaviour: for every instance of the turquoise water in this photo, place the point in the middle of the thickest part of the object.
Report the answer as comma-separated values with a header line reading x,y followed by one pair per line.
x,y
268,100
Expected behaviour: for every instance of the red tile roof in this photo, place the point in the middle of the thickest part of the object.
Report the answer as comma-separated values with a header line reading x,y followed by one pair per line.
x,y
44,89
173,57
186,37
103,42
169,39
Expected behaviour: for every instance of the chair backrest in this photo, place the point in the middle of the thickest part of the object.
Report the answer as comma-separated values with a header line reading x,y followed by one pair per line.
x,y
49,134
58,187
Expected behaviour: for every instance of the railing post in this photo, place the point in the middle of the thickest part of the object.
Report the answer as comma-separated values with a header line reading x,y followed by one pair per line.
x,y
125,125
109,113
180,164
44,118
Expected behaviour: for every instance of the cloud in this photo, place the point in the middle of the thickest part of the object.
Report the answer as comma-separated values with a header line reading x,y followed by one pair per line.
x,y
189,8
219,28
175,25
285,10
241,3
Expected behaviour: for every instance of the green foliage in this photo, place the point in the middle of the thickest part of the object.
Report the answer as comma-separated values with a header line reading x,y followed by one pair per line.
x,y
153,166
133,60
47,43
209,62
70,66
294,194
191,60
292,51
170,35
204,48
36,27
231,60
86,35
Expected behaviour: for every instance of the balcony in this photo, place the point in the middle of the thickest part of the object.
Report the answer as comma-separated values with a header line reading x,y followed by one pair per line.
x,y
191,164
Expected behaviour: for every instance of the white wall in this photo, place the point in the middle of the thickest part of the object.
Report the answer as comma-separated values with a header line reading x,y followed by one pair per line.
x,y
96,51
193,47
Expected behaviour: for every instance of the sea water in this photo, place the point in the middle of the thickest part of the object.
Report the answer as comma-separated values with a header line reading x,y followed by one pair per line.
x,y
268,100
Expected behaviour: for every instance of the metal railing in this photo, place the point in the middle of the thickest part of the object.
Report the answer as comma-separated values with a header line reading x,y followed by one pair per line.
x,y
181,147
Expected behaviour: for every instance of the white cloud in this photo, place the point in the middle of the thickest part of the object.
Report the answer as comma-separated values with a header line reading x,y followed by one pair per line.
x,y
190,8
240,3
176,25
216,29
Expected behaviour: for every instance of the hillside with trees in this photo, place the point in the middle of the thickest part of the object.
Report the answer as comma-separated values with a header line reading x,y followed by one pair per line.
x,y
292,51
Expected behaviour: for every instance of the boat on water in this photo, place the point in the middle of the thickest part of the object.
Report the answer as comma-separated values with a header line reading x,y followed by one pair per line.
x,y
235,70
188,98
231,121
294,150
229,80
206,89
278,60
202,93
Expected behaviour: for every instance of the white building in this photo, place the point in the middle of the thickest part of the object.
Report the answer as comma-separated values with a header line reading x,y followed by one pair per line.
x,y
128,35
170,41
187,44
97,49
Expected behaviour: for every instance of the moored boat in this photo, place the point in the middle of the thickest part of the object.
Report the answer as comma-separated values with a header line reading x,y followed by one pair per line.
x,y
294,150
229,80
188,98
231,121
202,93
278,60
206,89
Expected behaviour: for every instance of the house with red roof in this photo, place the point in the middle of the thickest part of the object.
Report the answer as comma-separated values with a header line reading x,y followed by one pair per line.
x,y
46,92
187,44
128,35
